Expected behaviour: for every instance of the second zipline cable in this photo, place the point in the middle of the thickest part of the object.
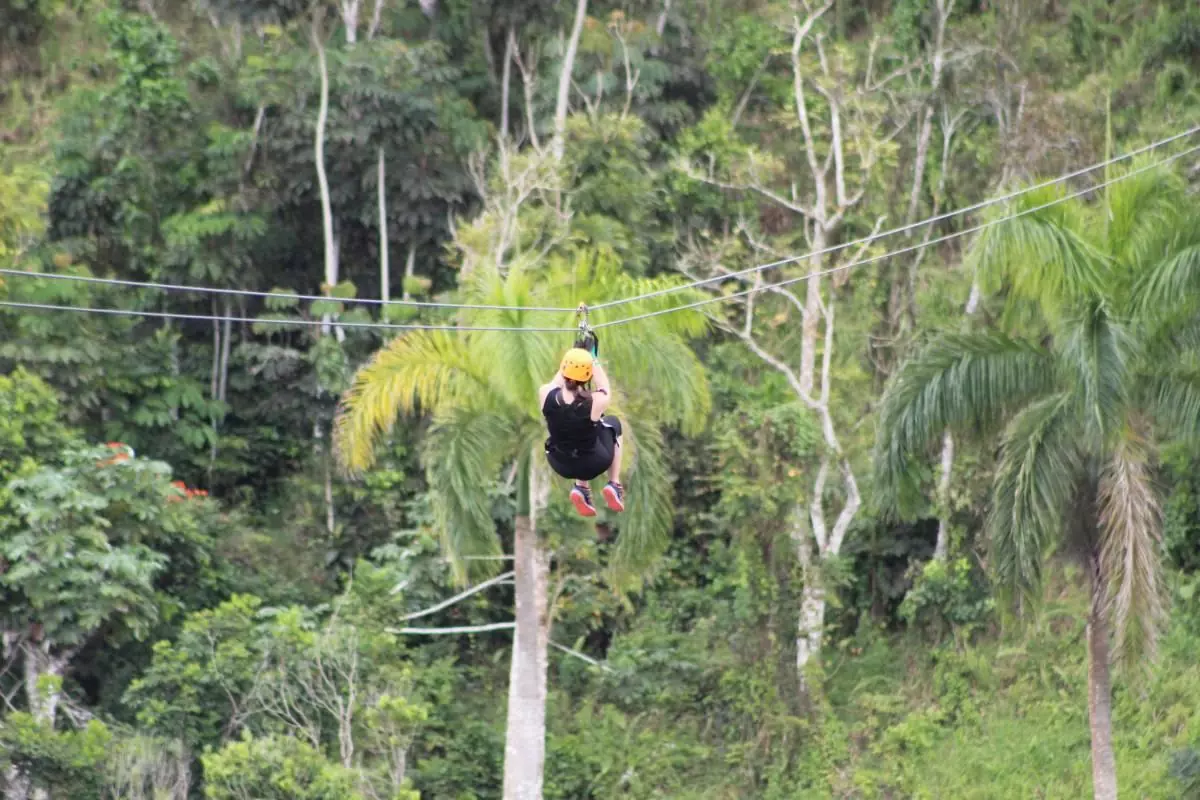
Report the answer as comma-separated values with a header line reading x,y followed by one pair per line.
x,y
901,251
904,228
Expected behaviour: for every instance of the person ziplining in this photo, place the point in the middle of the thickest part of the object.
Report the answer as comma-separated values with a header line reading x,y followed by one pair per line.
x,y
583,442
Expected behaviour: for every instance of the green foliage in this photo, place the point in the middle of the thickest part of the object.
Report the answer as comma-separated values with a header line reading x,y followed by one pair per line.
x,y
946,596
76,549
66,762
175,144
31,432
276,768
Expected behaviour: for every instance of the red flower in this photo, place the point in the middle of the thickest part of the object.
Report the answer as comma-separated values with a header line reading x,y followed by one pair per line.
x,y
124,453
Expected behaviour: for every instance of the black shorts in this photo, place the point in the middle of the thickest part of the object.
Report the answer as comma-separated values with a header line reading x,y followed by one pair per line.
x,y
586,466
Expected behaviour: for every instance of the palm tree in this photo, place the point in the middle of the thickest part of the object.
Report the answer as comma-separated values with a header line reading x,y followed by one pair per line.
x,y
1081,389
480,389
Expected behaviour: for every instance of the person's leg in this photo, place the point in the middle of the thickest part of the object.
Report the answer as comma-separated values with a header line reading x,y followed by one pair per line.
x,y
614,469
581,492
614,492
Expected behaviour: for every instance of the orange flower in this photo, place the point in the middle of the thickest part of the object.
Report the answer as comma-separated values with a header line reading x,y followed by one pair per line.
x,y
125,452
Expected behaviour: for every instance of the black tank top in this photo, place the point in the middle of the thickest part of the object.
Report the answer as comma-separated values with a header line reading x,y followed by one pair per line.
x,y
571,427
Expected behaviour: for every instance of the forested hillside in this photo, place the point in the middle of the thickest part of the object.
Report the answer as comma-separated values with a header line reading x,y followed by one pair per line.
x,y
901,306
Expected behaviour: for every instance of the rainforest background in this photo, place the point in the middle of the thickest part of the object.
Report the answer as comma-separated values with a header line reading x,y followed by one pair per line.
x,y
197,599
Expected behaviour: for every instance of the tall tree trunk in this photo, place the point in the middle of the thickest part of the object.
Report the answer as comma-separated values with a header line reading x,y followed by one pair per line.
x,y
942,548
216,359
505,82
525,740
226,344
331,270
1104,765
385,289
39,664
811,630
43,706
376,18
810,327
350,20
564,79
410,269
810,626
16,785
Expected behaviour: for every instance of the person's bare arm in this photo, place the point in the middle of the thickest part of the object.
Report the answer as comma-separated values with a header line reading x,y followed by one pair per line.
x,y
557,383
602,393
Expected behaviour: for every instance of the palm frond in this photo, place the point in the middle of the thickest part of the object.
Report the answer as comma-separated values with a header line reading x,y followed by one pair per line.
x,y
1131,527
1099,353
663,370
1173,396
646,525
965,382
1043,256
649,357
522,362
463,454
1172,282
1035,481
423,368
1139,208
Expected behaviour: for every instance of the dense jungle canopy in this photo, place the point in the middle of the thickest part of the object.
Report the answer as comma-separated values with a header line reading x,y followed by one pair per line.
x,y
900,300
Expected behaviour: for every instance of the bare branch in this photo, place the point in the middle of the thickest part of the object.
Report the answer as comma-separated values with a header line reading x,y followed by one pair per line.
x,y
853,501
802,30
749,91
499,579
816,507
564,80
528,78
495,626
753,187
581,656
631,76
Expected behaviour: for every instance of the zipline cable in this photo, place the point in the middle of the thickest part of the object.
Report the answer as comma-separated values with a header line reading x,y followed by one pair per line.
x,y
902,229
176,287
624,320
254,321
173,287
610,304
902,251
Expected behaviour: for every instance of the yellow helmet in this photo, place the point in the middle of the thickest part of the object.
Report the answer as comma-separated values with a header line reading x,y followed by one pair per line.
x,y
577,365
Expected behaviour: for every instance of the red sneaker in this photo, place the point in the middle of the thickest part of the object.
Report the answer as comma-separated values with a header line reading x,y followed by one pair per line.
x,y
581,498
614,495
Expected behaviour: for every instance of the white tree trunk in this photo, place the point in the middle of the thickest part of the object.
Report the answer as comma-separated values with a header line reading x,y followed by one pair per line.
x,y
40,664
331,270
810,628
505,82
525,739
410,269
43,706
376,18
350,19
810,327
1104,765
16,785
564,79
942,547
385,289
